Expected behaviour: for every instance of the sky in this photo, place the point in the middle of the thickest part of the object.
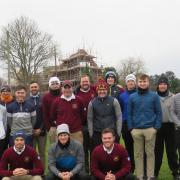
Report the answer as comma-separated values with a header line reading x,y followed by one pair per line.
x,y
111,29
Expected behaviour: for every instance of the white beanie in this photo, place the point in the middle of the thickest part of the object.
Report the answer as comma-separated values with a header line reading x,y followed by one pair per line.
x,y
130,77
62,128
53,79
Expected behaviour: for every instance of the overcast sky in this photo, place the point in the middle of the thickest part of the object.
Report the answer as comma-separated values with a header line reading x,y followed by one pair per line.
x,y
112,29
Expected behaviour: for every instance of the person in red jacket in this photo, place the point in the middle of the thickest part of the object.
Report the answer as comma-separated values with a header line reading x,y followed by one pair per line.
x,y
47,100
110,160
69,109
22,160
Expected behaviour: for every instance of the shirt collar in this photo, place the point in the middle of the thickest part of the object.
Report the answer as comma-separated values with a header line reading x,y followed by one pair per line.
x,y
68,98
17,151
109,151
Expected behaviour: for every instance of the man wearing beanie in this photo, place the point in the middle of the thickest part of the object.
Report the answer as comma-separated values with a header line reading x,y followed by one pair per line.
x,y
20,162
166,134
69,109
114,90
47,100
144,119
103,112
123,100
65,157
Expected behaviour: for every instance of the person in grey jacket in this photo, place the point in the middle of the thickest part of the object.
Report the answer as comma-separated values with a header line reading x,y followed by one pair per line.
x,y
175,113
65,157
166,134
103,112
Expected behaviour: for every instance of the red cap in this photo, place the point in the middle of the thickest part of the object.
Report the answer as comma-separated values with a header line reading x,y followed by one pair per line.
x,y
101,84
67,83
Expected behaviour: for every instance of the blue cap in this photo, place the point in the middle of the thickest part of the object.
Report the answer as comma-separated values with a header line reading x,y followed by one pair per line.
x,y
19,133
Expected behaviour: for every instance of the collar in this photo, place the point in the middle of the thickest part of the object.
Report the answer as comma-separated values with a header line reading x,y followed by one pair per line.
x,y
68,98
109,151
19,152
34,96
85,91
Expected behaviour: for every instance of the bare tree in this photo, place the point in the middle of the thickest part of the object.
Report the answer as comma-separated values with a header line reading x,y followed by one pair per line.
x,y
25,48
131,65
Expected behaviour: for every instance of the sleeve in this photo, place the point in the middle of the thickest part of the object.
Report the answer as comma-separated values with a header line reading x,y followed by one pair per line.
x,y
9,116
80,160
33,116
118,116
94,165
52,161
53,112
5,119
4,166
83,110
158,112
125,164
37,165
90,119
120,100
173,113
130,113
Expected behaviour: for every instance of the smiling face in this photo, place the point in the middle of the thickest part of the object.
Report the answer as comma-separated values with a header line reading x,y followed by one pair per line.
x,y
55,85
34,88
130,85
143,83
20,95
63,138
67,91
102,93
108,140
85,83
111,80
19,143
162,87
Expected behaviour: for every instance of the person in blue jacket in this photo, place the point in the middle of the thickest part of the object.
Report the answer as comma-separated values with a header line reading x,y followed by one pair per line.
x,y
123,100
144,119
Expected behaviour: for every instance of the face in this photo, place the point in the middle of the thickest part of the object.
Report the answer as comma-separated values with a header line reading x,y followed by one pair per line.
x,y
34,88
143,83
110,80
85,83
162,87
108,140
55,85
19,143
67,91
63,138
20,95
130,84
5,93
102,93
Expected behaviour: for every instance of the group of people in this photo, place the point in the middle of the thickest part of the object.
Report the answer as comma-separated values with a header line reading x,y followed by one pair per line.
x,y
84,126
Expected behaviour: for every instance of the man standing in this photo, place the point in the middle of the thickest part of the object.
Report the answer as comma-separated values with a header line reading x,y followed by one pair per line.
x,y
144,118
69,109
65,157
86,92
123,100
21,114
103,112
39,132
47,100
110,161
20,162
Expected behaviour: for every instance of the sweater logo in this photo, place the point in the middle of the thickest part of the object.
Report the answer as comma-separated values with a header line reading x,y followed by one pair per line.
x,y
116,158
26,159
74,106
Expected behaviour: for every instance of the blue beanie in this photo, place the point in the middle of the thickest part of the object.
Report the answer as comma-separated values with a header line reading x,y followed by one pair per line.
x,y
19,133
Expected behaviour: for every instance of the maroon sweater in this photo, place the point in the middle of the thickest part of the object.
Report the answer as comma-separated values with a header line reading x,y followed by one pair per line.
x,y
47,101
68,112
86,98
28,160
117,162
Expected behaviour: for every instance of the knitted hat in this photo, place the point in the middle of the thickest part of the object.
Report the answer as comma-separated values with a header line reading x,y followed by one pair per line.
x,y
62,128
130,77
19,133
5,88
53,80
67,83
101,84
163,79
110,74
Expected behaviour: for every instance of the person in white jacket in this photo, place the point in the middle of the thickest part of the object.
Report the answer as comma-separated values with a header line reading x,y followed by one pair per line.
x,y
3,128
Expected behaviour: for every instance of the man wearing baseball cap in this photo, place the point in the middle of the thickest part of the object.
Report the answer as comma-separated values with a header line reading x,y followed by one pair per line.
x,y
103,112
47,100
65,157
20,162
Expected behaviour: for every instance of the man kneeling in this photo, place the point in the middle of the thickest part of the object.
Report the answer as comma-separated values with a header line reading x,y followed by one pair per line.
x,y
22,160
110,160
65,157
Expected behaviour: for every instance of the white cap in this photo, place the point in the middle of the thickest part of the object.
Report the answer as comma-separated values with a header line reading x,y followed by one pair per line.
x,y
62,128
130,77
53,79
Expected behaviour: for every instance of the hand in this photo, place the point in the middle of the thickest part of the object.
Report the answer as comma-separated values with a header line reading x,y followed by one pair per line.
x,y
110,176
36,132
65,175
20,172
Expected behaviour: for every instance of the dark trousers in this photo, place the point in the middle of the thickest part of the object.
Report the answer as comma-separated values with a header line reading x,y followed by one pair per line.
x,y
166,135
128,140
3,146
177,144
87,146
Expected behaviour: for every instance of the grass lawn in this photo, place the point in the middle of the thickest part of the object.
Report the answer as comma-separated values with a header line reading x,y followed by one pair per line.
x,y
165,173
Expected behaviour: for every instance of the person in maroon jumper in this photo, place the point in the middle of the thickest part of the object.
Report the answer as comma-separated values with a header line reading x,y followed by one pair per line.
x,y
69,109
47,100
22,160
110,160
86,92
